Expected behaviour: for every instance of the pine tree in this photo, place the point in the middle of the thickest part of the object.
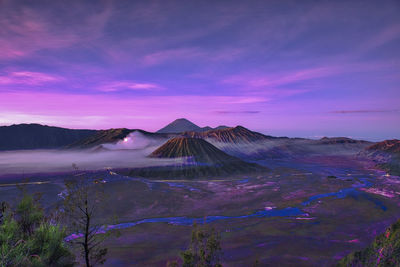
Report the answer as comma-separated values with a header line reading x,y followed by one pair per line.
x,y
204,249
27,238
83,204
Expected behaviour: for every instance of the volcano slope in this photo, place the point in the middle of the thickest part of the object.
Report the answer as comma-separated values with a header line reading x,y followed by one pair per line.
x,y
237,134
200,159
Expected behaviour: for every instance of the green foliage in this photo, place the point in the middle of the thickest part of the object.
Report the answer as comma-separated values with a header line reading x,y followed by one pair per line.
x,y
48,243
13,249
3,209
173,263
384,251
28,214
256,263
204,250
27,239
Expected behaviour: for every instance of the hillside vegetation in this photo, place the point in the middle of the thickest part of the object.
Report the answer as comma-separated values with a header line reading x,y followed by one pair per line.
x,y
384,251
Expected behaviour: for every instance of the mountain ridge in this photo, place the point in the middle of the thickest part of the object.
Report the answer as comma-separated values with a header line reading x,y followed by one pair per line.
x,y
37,136
341,140
238,134
111,136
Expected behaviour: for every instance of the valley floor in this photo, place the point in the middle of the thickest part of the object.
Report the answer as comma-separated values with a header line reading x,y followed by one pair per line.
x,y
308,212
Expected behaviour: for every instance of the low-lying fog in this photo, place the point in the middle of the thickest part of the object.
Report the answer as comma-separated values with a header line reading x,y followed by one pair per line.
x,y
128,153
132,152
287,148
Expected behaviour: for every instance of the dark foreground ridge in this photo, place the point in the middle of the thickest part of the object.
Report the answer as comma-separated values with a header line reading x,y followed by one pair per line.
x,y
203,160
384,251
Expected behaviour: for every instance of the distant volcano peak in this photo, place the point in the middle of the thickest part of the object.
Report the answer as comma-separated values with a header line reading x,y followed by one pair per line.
x,y
183,119
184,125
179,125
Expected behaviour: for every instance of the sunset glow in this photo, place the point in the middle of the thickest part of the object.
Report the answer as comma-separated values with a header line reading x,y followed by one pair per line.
x,y
282,68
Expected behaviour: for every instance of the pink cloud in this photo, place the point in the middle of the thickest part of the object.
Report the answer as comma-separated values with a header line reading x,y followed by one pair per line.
x,y
128,85
271,84
28,33
293,77
237,111
364,111
228,54
26,30
386,35
171,54
28,78
190,53
283,78
154,48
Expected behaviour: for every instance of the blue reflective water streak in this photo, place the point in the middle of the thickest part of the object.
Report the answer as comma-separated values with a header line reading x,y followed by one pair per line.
x,y
286,212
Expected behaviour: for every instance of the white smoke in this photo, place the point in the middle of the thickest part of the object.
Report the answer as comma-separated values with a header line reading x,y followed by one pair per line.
x,y
135,140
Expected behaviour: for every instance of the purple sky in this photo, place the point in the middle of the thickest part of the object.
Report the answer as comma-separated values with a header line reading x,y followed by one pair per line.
x,y
294,68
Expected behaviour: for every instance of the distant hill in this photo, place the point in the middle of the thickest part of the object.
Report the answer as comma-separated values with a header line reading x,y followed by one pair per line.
x,y
384,251
110,136
237,134
184,125
36,136
341,140
390,146
386,154
204,160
